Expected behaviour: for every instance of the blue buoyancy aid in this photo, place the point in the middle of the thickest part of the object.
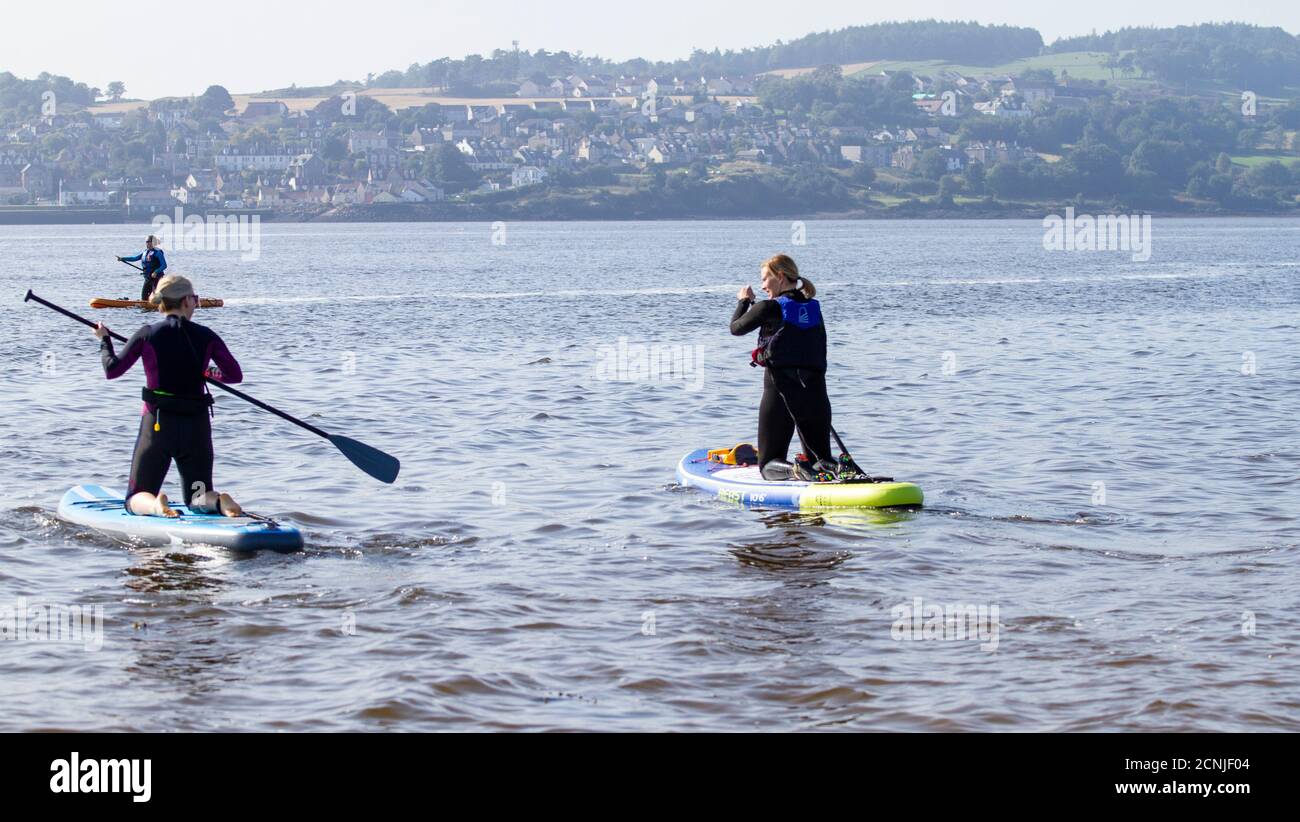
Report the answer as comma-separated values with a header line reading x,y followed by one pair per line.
x,y
800,342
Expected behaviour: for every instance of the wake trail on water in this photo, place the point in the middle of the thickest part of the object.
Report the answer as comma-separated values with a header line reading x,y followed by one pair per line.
x,y
492,295
703,289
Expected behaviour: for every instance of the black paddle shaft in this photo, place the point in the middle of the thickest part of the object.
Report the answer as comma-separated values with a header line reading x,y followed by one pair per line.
x,y
123,262
844,452
838,441
374,462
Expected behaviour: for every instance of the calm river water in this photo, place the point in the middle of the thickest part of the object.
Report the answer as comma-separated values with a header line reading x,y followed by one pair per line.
x,y
1109,449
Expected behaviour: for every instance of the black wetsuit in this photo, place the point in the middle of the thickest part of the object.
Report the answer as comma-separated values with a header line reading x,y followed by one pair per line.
x,y
175,423
794,388
152,265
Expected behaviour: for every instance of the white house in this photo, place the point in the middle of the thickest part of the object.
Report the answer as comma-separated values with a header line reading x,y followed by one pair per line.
x,y
1002,108
530,89
83,193
254,158
418,192
360,142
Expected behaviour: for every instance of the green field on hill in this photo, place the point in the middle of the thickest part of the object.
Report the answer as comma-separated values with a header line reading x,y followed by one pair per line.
x,y
1086,65
1252,160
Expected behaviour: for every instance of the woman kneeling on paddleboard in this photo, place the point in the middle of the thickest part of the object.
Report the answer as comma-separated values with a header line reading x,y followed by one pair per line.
x,y
176,421
792,350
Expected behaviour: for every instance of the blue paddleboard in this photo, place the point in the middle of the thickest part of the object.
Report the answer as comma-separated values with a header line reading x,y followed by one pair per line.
x,y
94,506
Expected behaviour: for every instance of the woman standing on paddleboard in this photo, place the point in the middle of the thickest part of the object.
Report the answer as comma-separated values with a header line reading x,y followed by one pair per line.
x,y
152,264
176,421
792,350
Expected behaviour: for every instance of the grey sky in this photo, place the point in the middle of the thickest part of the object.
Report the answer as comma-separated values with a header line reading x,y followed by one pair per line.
x,y
249,46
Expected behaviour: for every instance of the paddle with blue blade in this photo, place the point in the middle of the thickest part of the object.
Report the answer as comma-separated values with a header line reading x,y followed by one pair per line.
x,y
376,463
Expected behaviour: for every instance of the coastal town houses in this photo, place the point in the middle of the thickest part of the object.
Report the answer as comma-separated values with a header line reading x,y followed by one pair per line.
x,y
598,121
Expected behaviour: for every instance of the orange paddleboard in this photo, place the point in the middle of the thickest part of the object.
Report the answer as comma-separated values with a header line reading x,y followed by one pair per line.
x,y
104,302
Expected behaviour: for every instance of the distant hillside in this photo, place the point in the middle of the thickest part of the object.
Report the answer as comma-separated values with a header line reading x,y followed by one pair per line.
x,y
910,40
1241,55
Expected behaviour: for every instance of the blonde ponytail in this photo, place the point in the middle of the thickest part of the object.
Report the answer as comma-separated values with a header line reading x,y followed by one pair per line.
x,y
784,265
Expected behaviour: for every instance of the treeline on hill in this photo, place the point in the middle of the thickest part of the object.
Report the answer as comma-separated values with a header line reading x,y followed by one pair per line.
x,y
1243,55
23,99
966,42
831,99
956,42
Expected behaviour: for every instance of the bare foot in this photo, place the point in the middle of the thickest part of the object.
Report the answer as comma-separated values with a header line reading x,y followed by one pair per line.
x,y
226,505
162,508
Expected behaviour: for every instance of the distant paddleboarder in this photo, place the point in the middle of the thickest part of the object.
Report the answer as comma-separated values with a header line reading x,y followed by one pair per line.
x,y
152,263
792,351
176,421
